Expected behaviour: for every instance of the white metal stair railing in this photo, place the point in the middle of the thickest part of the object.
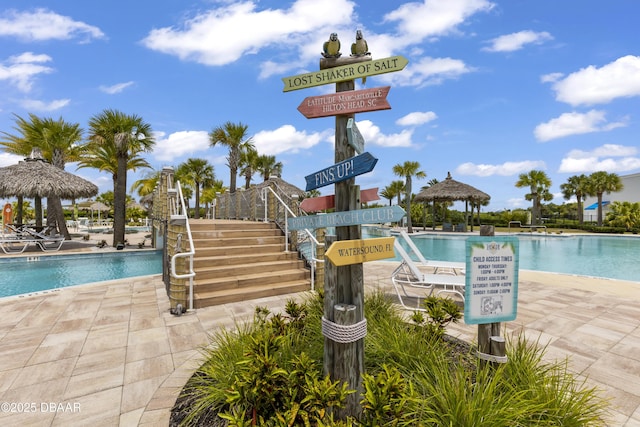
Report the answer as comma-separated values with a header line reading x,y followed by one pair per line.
x,y
288,212
179,209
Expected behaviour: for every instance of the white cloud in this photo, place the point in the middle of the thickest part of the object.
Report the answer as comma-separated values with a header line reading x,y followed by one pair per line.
x,y
37,105
429,71
286,139
117,88
417,118
516,41
221,36
7,159
179,144
574,124
431,18
372,135
505,169
609,157
42,24
21,70
551,77
591,85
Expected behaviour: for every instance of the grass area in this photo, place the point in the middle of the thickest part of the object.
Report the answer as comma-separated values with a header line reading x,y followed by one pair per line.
x,y
269,373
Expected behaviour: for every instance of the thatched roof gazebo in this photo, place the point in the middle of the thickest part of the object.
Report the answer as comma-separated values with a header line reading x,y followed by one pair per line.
x,y
451,190
36,178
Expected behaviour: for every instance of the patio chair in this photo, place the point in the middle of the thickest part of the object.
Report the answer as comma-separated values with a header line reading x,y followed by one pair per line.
x,y
44,241
439,267
447,226
14,244
407,276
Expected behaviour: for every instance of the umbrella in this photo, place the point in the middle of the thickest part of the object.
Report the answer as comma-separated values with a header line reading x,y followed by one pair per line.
x,y
35,178
451,190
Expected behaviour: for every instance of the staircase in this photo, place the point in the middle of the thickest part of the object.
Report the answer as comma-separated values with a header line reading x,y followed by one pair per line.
x,y
242,260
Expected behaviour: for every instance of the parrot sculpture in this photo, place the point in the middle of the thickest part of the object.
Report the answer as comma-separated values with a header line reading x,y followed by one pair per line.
x,y
331,48
359,48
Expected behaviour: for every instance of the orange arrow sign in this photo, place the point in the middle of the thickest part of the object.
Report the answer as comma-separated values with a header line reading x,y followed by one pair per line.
x,y
348,102
316,204
348,252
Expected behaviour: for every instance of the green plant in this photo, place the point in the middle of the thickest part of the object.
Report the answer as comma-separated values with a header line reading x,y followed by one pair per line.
x,y
441,312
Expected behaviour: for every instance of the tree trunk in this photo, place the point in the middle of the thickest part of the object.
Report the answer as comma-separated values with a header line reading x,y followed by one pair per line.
x,y
120,191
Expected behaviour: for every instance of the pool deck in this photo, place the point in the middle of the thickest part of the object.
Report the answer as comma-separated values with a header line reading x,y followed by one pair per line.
x,y
110,353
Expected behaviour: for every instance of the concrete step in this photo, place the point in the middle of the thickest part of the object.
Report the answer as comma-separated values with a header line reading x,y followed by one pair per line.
x,y
207,299
249,280
243,256
257,250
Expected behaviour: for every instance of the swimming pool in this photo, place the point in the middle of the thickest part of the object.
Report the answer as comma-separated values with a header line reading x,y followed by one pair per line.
x,y
20,275
614,257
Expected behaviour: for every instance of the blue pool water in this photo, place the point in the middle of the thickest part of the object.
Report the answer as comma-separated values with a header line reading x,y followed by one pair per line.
x,y
614,257
20,275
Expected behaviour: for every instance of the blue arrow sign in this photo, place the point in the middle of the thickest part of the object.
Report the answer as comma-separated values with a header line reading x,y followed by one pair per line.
x,y
342,171
354,137
342,219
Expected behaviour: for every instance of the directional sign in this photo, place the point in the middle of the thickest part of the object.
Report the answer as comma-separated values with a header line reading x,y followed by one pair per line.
x,y
316,204
347,102
342,219
345,72
342,171
347,252
354,137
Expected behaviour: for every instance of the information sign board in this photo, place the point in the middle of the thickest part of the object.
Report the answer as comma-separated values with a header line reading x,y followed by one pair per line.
x,y
348,252
342,219
491,287
341,171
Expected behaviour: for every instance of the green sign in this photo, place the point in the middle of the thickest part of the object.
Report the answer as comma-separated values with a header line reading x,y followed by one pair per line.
x,y
345,72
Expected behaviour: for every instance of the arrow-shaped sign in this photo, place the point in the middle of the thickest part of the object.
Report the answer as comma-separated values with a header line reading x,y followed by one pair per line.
x,y
342,171
354,137
348,252
342,219
321,203
345,72
347,102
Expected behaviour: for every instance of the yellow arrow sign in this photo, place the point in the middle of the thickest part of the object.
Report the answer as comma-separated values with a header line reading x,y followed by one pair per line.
x,y
345,72
347,252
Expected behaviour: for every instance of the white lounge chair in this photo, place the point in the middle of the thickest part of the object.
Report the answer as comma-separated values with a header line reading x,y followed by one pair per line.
x,y
45,241
13,243
450,267
407,275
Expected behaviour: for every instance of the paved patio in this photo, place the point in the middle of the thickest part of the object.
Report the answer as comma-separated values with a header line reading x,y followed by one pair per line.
x,y
110,354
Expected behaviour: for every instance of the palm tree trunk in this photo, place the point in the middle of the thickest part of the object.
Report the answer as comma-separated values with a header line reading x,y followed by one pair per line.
x,y
120,190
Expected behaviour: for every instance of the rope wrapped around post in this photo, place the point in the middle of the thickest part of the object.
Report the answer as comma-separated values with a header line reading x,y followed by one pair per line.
x,y
344,333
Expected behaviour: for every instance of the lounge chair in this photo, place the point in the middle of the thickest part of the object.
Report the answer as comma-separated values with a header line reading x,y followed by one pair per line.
x,y
44,241
407,275
447,226
439,267
14,243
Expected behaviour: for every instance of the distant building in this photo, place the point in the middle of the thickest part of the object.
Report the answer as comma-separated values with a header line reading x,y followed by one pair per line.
x,y
630,193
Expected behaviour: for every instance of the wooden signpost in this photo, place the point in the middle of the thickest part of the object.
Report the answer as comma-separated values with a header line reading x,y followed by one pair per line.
x,y
348,252
347,218
344,283
357,101
341,171
322,203
345,73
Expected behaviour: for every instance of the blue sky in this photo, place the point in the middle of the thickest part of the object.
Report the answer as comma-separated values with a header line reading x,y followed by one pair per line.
x,y
492,89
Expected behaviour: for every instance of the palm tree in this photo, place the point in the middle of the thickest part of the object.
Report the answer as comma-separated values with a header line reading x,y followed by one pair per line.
x,y
248,165
115,143
577,185
603,182
210,193
147,184
233,136
392,190
196,172
408,170
624,214
267,165
538,183
59,143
